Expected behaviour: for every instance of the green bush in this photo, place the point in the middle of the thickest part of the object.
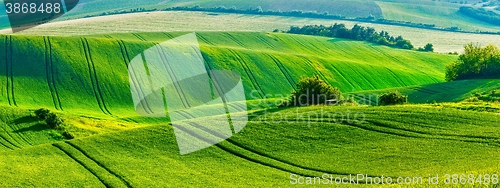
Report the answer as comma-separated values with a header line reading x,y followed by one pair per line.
x,y
54,121
67,135
42,113
314,91
393,98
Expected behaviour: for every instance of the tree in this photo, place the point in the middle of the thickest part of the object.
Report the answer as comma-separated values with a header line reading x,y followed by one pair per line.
x,y
476,62
314,91
429,47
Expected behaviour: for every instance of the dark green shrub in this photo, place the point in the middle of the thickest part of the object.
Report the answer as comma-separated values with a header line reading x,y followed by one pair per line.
x,y
67,135
393,98
314,91
54,121
42,113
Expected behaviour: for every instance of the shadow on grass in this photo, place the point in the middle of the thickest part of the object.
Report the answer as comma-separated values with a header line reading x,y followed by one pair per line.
x,y
30,120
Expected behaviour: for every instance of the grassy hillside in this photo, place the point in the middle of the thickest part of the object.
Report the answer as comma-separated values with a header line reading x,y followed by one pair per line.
x,y
441,92
437,141
89,74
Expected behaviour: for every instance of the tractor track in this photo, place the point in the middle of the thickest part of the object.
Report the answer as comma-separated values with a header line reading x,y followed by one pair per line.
x,y
87,167
231,147
133,78
50,74
93,77
9,71
249,73
284,71
170,71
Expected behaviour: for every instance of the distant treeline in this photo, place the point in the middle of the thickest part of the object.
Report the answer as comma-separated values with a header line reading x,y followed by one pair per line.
x,y
357,32
296,13
481,14
476,62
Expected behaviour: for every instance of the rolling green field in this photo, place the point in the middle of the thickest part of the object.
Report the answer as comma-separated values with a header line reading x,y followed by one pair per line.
x,y
267,152
443,42
84,79
93,70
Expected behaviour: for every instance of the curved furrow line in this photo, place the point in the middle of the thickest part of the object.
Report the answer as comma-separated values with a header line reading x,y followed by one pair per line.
x,y
381,128
433,136
12,73
284,71
311,64
427,90
389,131
47,72
7,68
121,178
139,37
398,60
308,48
99,102
262,39
5,144
3,138
358,84
52,77
9,71
96,78
236,40
140,92
249,73
363,77
400,81
335,69
11,142
173,77
382,124
108,36
231,146
418,89
81,163
205,40
170,36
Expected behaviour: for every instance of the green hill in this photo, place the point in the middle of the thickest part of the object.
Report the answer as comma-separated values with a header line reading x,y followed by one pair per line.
x,y
436,141
85,80
89,74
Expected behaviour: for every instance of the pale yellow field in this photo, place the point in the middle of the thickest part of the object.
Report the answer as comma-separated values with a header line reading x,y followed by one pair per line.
x,y
199,21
